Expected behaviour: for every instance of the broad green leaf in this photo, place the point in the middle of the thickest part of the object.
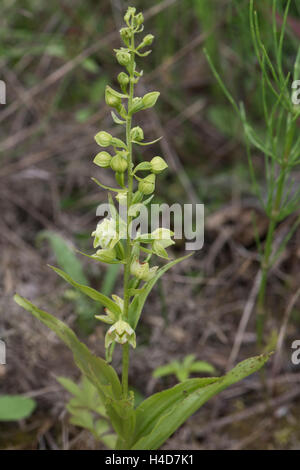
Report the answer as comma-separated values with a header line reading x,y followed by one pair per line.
x,y
15,407
149,411
90,292
103,376
139,300
158,417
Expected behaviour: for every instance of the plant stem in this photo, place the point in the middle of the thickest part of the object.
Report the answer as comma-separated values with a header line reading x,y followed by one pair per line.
x,y
265,264
125,362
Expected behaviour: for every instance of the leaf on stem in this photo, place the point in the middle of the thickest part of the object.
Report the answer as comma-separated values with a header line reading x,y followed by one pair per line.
x,y
102,375
159,416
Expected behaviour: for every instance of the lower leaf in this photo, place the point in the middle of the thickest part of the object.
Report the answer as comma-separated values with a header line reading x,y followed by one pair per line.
x,y
158,417
102,375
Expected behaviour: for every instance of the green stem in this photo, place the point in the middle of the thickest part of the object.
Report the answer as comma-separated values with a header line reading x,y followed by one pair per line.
x,y
125,368
125,362
265,263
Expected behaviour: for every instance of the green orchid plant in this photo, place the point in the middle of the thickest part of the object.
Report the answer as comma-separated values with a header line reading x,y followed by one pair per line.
x,y
121,424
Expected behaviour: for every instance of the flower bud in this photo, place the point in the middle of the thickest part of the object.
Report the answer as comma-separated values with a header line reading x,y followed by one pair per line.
x,y
125,34
137,134
102,159
112,99
119,163
103,139
150,99
123,79
130,12
147,41
139,19
158,165
120,332
147,185
123,58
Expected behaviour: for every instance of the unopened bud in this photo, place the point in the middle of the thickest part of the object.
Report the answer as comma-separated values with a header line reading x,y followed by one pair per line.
x,y
147,185
103,139
123,58
126,34
139,19
119,163
102,159
147,41
150,99
112,99
130,12
137,134
123,79
158,165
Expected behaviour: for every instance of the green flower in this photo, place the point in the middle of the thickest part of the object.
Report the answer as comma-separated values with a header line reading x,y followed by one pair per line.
x,y
142,271
106,235
162,240
120,332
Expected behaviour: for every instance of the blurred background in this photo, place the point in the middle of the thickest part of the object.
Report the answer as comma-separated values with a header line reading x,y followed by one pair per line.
x,y
56,59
